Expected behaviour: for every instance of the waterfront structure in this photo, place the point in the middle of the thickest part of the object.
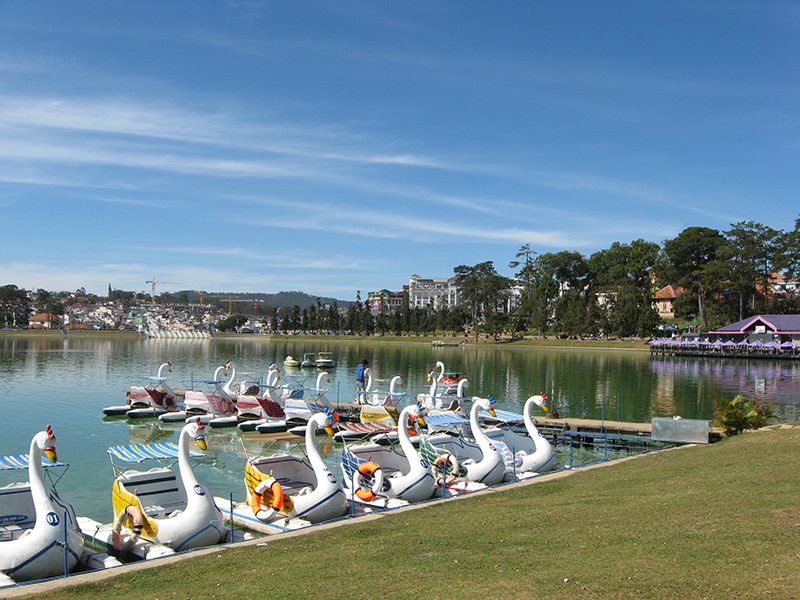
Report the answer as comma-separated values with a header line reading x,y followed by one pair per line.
x,y
761,328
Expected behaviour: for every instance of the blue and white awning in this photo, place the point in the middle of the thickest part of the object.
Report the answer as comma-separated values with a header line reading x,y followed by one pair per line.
x,y
20,461
137,453
502,415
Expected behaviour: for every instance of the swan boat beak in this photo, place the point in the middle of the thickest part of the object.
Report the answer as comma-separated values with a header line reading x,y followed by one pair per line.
x,y
50,453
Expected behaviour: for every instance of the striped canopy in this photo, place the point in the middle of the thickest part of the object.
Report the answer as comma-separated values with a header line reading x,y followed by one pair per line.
x,y
137,453
20,461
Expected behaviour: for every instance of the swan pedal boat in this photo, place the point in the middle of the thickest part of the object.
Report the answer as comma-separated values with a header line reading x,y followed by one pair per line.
x,y
525,454
373,472
206,399
39,533
285,485
161,506
144,398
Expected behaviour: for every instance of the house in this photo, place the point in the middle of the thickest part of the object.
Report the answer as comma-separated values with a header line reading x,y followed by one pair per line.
x,y
45,322
664,301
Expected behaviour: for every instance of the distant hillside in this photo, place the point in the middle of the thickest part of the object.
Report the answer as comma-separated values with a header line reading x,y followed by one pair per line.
x,y
278,300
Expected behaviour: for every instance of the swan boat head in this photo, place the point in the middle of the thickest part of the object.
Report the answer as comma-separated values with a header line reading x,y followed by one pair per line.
x,y
55,541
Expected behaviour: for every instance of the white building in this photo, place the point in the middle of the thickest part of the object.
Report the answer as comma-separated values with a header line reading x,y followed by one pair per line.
x,y
436,293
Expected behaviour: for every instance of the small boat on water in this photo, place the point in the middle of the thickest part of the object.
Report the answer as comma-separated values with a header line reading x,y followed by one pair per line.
x,y
290,362
325,360
309,360
148,396
39,533
161,508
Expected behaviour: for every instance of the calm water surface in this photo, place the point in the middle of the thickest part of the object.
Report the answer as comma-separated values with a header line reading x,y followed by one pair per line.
x,y
66,382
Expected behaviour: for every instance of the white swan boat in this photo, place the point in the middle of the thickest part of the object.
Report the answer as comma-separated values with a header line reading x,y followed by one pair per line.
x,y
530,454
372,471
472,459
300,410
284,485
160,507
379,407
206,399
144,398
436,400
264,407
39,533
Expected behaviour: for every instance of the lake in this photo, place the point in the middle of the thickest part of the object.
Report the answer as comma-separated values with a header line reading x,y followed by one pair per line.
x,y
66,382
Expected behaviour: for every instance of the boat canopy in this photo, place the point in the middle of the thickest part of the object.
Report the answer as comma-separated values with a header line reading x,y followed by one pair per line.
x,y
20,461
137,453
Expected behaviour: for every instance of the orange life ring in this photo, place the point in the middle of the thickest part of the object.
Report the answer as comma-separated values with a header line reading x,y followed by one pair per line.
x,y
268,490
362,490
447,462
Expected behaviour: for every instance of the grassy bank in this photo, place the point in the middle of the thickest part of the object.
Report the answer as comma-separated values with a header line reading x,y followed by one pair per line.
x,y
720,521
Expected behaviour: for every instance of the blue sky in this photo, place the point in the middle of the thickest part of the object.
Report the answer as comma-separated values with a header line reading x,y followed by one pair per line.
x,y
329,147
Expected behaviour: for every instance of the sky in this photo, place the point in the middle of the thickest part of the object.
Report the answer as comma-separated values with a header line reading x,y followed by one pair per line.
x,y
341,147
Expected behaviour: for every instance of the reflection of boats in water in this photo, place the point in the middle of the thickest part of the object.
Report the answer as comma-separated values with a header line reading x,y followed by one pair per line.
x,y
39,534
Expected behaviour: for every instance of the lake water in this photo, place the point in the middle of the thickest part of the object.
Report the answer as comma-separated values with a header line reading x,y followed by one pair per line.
x,y
66,382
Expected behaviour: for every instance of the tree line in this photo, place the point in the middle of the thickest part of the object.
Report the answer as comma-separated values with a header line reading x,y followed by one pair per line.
x,y
726,276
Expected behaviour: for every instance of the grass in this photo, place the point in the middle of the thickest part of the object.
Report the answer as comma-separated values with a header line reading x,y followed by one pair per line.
x,y
719,521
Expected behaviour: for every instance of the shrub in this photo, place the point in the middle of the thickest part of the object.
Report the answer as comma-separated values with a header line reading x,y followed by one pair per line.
x,y
739,414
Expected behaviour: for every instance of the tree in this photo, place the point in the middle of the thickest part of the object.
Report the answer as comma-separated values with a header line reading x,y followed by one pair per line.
x,y
688,257
754,253
527,276
13,306
482,290
232,323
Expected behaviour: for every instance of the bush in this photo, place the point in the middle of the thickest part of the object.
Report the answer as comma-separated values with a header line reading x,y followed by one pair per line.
x,y
739,414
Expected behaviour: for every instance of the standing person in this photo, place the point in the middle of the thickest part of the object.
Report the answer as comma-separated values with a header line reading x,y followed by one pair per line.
x,y
360,383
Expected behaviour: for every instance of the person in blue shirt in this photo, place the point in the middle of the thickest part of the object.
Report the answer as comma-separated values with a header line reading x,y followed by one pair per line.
x,y
360,383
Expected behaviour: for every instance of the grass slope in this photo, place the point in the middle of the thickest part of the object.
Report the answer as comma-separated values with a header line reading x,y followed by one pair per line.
x,y
719,521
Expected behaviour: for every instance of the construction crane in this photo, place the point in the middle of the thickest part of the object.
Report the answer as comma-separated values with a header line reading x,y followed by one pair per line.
x,y
153,283
230,301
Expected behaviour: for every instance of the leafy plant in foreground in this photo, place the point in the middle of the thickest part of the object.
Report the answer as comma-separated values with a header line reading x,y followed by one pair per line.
x,y
739,414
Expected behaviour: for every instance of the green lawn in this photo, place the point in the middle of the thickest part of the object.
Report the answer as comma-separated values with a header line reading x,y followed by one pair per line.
x,y
719,521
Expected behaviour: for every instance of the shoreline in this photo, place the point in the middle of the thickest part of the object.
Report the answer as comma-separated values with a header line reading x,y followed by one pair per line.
x,y
526,342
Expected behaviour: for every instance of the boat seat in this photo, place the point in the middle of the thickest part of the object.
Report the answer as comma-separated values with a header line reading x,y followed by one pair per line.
x,y
159,490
